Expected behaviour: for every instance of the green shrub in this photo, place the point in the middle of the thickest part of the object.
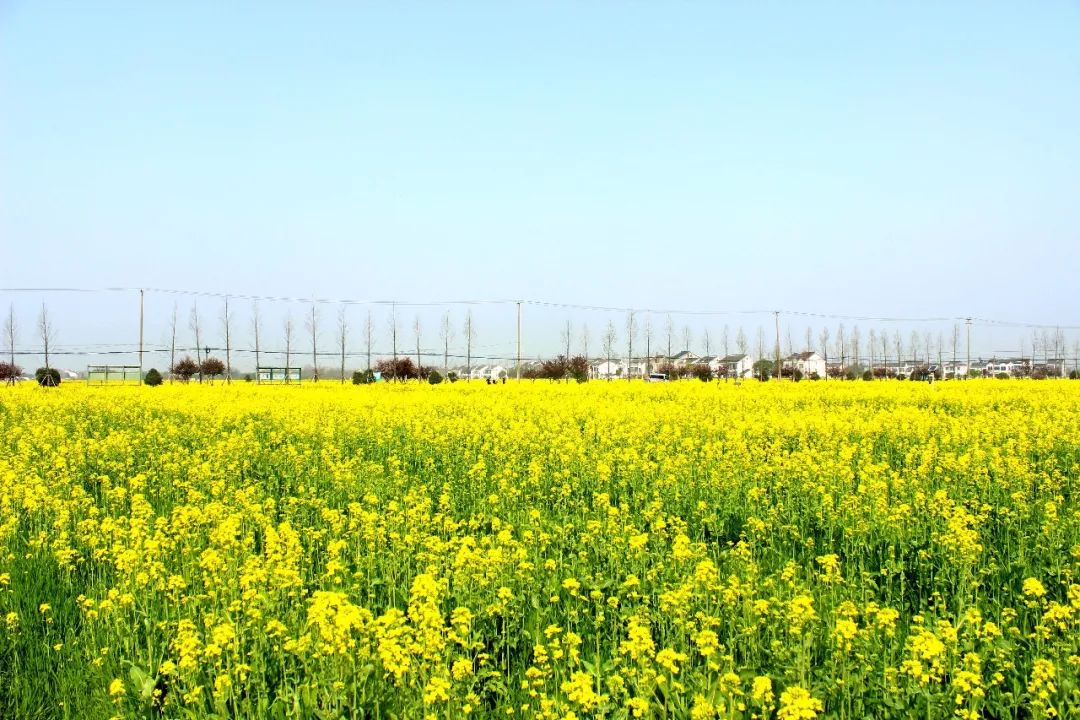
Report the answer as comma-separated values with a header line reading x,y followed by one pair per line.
x,y
434,378
47,377
153,377
363,377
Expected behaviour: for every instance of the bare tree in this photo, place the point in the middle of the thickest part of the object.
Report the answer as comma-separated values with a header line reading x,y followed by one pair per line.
x,y
172,346
809,340
11,332
856,339
288,328
369,336
631,333
393,333
226,322
417,330
256,328
608,344
706,340
343,335
669,328
823,339
870,343
841,347
585,337
447,332
760,348
46,331
312,325
940,359
648,343
741,343
899,351
724,340
470,334
914,340
955,345
928,341
884,354
193,324
566,335
687,336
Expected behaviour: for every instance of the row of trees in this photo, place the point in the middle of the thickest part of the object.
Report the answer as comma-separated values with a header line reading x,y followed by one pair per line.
x,y
636,337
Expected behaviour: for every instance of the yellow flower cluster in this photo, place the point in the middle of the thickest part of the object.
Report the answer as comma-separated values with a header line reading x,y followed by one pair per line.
x,y
753,551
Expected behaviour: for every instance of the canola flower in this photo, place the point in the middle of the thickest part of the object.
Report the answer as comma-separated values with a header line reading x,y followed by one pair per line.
x,y
688,550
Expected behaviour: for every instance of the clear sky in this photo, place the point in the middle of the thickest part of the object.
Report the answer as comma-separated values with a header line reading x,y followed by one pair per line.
x,y
903,159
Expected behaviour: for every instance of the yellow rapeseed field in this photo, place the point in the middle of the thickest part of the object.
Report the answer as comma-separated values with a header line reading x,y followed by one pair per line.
x,y
605,550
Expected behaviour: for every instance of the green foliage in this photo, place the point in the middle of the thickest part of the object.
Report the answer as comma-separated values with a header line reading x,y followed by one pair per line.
x,y
363,377
153,377
433,377
47,377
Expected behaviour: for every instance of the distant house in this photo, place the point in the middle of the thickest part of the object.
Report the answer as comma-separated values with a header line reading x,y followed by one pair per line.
x,y
958,369
808,363
606,369
713,361
739,365
1008,366
682,359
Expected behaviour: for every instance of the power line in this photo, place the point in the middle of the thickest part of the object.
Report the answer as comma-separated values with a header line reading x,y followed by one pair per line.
x,y
980,321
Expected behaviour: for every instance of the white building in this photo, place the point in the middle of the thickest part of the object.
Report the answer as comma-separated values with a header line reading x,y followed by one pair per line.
x,y
808,363
682,359
739,365
607,369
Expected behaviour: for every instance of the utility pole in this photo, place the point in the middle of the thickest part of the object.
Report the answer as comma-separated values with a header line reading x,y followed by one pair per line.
x,y
968,323
518,373
776,313
140,333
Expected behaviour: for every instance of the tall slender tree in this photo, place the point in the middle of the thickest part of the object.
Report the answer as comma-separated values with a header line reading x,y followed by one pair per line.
x,y
369,336
648,343
46,332
256,328
631,333
312,323
226,322
608,344
193,324
343,334
417,330
469,332
447,333
567,334
393,336
172,344
288,328
669,328
823,341
11,333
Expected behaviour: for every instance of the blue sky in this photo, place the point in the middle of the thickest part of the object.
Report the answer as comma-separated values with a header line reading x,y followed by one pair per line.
x,y
901,159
